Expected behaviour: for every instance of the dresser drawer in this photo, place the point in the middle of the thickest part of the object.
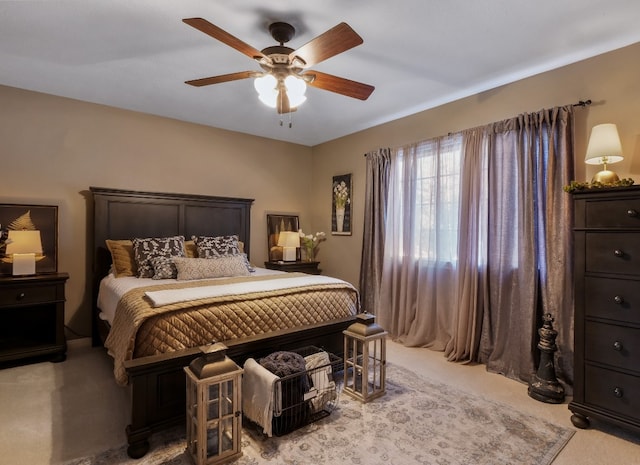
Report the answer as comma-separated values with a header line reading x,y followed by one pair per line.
x,y
617,392
613,299
26,295
612,253
622,213
613,345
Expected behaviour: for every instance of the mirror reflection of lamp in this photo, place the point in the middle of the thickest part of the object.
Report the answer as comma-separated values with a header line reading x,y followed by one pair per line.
x,y
24,248
289,241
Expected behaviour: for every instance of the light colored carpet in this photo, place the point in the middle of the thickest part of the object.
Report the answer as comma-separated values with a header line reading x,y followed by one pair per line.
x,y
418,421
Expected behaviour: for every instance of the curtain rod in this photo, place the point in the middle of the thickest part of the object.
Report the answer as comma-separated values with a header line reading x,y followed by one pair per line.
x,y
582,103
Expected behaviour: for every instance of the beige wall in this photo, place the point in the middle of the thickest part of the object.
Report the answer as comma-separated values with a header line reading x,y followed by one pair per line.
x,y
611,81
52,149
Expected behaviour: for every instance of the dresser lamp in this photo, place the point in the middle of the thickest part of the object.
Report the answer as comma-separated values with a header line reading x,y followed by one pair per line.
x,y
604,148
23,248
289,241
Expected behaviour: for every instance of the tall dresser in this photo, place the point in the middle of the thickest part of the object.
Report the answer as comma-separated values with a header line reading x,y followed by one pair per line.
x,y
607,307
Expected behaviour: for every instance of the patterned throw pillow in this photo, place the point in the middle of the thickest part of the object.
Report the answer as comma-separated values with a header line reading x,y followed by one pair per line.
x,y
163,268
219,267
209,247
148,248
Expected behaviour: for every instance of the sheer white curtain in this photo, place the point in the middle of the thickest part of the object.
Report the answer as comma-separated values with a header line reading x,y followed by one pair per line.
x,y
420,269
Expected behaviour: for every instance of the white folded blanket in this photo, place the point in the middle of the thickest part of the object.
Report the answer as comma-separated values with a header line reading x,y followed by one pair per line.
x,y
258,394
172,296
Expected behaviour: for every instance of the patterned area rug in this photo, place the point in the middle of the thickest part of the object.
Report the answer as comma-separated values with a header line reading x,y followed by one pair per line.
x,y
416,422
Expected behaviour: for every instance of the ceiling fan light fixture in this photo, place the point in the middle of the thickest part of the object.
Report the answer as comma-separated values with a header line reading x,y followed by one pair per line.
x,y
266,86
296,88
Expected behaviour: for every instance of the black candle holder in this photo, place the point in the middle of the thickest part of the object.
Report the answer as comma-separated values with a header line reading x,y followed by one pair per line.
x,y
544,385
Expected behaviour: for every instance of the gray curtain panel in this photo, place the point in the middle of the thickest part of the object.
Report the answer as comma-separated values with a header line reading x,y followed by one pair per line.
x,y
530,242
478,244
375,212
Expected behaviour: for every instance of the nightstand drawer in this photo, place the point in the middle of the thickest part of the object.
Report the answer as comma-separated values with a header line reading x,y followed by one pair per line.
x,y
613,299
613,391
622,213
27,295
617,253
613,345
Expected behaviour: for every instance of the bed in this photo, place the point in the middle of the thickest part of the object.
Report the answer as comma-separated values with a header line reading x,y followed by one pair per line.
x,y
153,371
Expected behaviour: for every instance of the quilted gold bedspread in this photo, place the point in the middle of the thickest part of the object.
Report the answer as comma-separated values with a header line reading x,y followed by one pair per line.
x,y
139,329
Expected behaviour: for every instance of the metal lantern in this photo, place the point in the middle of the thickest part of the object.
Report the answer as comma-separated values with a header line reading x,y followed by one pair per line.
x,y
364,358
214,407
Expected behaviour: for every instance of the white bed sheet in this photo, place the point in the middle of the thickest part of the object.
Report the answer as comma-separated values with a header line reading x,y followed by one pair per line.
x,y
112,289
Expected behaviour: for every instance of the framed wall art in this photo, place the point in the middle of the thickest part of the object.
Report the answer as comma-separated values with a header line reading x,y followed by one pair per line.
x,y
276,223
29,229
341,205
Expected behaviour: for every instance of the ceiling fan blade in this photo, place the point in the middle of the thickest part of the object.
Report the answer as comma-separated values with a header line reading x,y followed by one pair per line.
x,y
223,36
340,85
222,78
336,40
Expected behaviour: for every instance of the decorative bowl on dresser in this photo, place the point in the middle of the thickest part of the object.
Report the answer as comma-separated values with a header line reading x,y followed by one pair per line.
x,y
607,307
32,315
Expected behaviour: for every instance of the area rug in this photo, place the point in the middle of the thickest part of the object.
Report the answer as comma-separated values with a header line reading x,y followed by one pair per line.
x,y
417,421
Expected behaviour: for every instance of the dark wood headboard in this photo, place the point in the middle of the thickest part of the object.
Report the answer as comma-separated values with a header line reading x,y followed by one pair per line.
x,y
125,214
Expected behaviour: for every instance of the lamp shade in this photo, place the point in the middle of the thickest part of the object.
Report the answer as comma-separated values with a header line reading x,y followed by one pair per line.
x,y
24,242
267,88
289,239
604,145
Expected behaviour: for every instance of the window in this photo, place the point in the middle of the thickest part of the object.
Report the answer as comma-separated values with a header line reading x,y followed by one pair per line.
x,y
428,176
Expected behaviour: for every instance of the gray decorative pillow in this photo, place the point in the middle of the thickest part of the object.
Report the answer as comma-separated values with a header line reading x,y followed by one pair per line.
x,y
163,268
219,267
210,246
145,249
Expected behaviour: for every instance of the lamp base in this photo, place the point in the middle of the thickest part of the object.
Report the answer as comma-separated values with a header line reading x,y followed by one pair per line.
x,y
24,264
605,177
288,254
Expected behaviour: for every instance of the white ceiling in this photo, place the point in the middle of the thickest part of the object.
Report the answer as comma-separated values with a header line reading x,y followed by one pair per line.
x,y
136,54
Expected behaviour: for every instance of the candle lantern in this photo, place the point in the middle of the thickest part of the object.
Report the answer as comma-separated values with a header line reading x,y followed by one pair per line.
x,y
364,358
214,407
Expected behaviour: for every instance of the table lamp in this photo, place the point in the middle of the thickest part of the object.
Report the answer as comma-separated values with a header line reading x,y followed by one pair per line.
x,y
289,241
23,248
604,148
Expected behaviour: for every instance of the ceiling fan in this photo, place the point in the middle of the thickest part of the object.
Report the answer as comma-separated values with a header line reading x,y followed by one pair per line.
x,y
285,73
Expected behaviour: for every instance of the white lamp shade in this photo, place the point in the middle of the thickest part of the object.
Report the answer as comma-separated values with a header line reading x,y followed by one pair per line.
x,y
267,88
296,88
24,242
289,239
604,145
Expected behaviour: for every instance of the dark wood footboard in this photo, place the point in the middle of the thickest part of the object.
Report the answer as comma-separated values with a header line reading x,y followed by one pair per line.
x,y
158,382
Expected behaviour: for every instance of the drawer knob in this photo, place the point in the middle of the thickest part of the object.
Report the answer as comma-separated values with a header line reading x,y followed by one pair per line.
x,y
618,392
632,213
20,296
617,346
618,299
618,253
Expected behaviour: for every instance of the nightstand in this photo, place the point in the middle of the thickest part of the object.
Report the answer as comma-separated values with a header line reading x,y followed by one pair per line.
x,y
302,267
32,317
